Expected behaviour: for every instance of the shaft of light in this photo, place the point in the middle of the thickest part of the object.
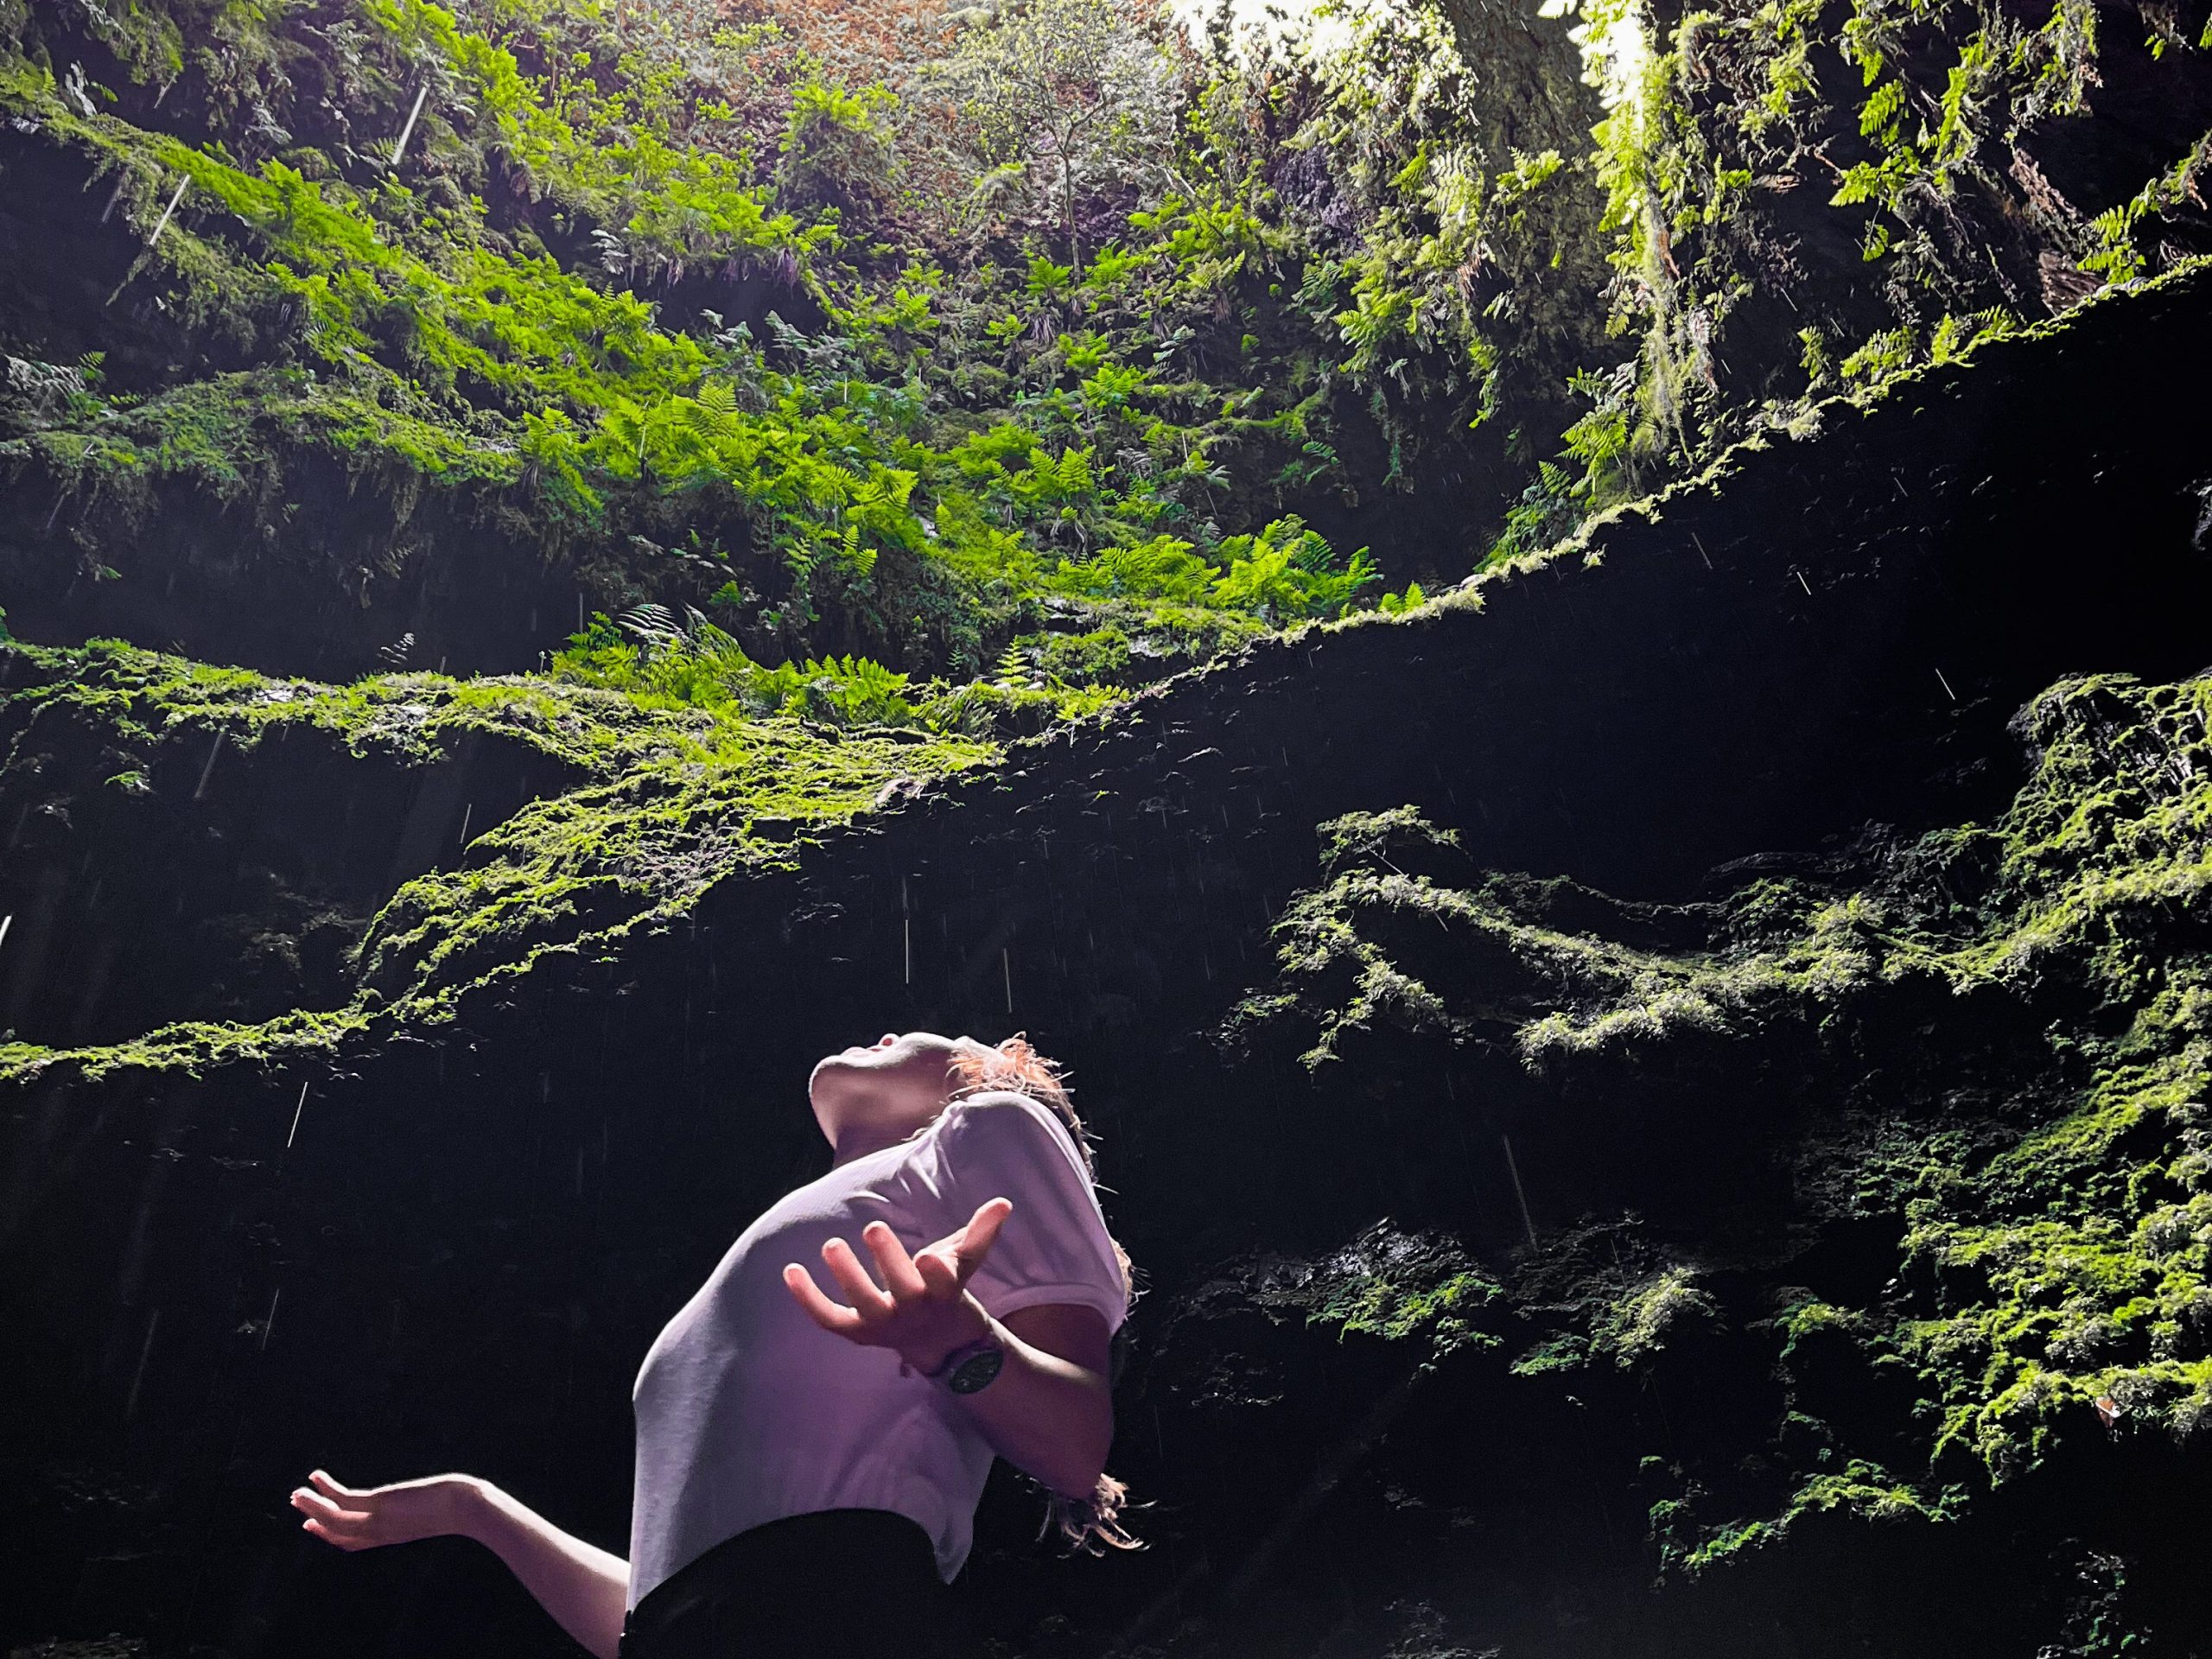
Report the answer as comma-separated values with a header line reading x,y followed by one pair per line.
x,y
1514,1169
162,223
408,131
208,771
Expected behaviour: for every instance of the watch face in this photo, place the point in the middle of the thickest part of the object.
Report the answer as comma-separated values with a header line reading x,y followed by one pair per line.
x,y
976,1370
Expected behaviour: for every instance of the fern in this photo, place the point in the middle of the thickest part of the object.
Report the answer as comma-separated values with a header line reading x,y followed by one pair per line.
x,y
1288,572
1398,604
1046,278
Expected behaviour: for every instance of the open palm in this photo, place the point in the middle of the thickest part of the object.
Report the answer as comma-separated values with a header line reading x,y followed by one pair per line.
x,y
922,1307
364,1518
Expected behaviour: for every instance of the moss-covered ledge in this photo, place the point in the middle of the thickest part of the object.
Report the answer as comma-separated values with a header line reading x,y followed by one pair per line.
x,y
486,823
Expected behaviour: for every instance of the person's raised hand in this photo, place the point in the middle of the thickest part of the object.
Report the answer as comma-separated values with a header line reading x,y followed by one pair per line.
x,y
356,1518
922,1309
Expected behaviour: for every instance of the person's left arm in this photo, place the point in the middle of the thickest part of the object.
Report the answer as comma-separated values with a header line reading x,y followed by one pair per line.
x,y
1056,1421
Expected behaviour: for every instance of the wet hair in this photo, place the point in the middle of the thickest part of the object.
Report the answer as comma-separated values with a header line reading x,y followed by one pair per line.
x,y
1092,1523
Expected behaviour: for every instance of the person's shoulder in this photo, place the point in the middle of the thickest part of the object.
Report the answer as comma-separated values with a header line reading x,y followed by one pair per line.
x,y
1001,1106
1003,1111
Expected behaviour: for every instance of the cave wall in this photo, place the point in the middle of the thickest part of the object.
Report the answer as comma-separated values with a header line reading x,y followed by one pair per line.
x,y
448,1246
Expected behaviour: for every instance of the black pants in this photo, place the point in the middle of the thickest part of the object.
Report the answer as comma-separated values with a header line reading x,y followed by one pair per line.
x,y
839,1583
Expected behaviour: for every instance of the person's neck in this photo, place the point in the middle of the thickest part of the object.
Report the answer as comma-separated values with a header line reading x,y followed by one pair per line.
x,y
859,1143
862,1139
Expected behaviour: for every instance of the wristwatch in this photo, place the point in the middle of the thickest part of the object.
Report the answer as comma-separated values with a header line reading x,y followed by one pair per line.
x,y
971,1366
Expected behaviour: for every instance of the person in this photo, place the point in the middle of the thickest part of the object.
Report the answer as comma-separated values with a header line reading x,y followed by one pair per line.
x,y
809,1463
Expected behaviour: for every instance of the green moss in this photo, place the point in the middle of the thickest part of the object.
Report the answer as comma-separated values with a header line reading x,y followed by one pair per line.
x,y
1636,1325
676,799
2053,1268
579,872
192,1048
1563,1350
148,696
1860,1488
1803,1319
1440,1312
1393,1287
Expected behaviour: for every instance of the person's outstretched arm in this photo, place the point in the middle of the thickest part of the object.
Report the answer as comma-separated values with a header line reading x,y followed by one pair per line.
x,y
1051,1410
583,1587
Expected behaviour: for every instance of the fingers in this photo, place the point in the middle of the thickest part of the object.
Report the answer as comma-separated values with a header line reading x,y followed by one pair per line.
x,y
933,1277
840,1321
347,1529
982,1232
317,1507
899,1274
348,1544
939,1273
866,1298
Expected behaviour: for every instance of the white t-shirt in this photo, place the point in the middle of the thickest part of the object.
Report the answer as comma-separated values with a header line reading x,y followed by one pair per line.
x,y
747,1411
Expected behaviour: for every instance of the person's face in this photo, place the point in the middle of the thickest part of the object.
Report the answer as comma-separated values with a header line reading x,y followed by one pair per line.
x,y
887,1090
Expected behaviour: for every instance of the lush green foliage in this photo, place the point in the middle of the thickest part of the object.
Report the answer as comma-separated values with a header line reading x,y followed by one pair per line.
x,y
1003,431
912,337
1917,128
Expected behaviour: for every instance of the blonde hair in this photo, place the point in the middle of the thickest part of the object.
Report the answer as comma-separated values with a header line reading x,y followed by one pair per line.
x,y
1093,1522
